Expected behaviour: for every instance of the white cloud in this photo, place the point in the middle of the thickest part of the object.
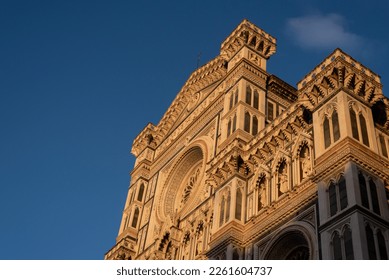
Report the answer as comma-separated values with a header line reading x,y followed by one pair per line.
x,y
323,32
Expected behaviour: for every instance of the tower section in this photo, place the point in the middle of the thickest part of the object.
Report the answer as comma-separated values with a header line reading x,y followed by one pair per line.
x,y
351,170
246,52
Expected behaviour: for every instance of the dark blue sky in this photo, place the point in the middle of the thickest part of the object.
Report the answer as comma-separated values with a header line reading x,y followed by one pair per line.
x,y
80,79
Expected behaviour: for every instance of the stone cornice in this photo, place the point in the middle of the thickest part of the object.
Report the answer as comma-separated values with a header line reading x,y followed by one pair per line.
x,y
346,150
333,59
340,71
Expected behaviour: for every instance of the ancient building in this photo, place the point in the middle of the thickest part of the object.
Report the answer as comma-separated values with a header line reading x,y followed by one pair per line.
x,y
245,166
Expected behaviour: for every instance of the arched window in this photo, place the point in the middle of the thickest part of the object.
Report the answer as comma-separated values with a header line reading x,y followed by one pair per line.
x,y
337,195
236,96
333,199
369,195
270,111
336,247
326,132
365,136
348,244
140,192
256,100
363,190
248,95
231,101
354,124
374,197
335,125
238,205
135,218
370,243
342,193
382,246
247,118
255,125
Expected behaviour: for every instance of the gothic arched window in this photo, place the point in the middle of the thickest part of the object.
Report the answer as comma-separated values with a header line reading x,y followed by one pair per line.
x,y
248,95
256,100
354,124
370,243
374,197
369,194
326,132
247,118
365,136
333,199
337,194
342,192
140,192
135,218
336,247
255,125
363,190
335,125
348,244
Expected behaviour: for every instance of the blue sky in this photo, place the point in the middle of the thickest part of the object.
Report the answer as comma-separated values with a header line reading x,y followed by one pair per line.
x,y
80,79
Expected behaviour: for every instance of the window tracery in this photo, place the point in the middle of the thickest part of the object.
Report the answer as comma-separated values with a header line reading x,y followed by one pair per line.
x,y
331,129
358,123
368,192
141,192
190,184
337,195
342,244
135,218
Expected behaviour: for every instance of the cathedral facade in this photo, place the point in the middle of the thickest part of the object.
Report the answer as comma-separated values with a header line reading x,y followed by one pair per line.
x,y
245,166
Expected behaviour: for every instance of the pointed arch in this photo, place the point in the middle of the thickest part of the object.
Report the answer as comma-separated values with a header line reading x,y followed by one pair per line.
x,y
335,125
348,243
135,218
336,246
141,192
326,132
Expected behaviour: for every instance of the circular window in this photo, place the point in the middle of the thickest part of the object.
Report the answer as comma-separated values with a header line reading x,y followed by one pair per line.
x,y
183,185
